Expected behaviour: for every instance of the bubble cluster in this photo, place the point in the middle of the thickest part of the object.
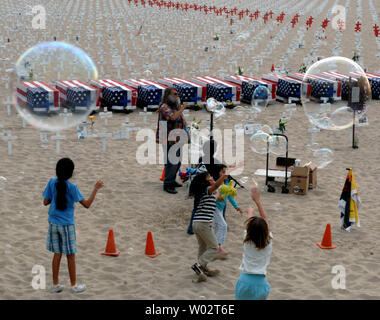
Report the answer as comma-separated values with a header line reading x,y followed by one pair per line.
x,y
340,89
212,105
49,78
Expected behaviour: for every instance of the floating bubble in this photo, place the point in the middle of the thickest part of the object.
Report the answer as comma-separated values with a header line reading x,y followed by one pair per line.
x,y
260,99
147,74
130,250
3,183
21,175
212,105
51,77
267,129
339,88
296,189
322,157
254,183
278,145
244,179
277,206
8,248
260,141
241,40
240,109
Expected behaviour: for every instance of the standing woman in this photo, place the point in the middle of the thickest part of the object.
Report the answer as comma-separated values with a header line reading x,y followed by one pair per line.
x,y
257,249
170,113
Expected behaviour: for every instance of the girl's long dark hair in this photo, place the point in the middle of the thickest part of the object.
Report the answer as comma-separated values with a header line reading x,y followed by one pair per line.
x,y
198,186
257,232
64,171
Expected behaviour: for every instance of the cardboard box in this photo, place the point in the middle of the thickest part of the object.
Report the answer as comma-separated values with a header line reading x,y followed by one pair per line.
x,y
299,183
312,175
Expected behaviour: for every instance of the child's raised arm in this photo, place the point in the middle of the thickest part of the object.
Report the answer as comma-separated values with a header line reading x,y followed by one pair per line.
x,y
218,183
255,195
87,202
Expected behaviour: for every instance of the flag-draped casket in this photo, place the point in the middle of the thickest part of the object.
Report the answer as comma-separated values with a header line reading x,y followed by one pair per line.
x,y
77,95
343,78
249,84
149,93
321,86
288,87
221,90
115,95
37,96
374,81
188,91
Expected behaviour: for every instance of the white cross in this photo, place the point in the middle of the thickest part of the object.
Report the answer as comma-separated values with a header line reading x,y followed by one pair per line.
x,y
65,115
44,64
58,139
9,138
129,126
6,79
145,113
8,103
105,115
104,136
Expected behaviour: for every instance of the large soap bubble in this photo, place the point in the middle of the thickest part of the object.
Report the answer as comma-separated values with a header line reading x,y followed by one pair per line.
x,y
340,91
51,87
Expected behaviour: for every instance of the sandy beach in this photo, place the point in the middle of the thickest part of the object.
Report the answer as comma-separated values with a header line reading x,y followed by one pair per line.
x,y
133,202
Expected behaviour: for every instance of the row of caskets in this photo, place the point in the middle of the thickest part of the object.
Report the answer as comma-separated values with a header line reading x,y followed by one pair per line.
x,y
132,93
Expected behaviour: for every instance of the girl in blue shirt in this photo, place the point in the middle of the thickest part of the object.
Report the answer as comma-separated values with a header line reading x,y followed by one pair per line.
x,y
61,195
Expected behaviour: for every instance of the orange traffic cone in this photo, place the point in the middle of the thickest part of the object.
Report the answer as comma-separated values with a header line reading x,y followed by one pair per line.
x,y
272,69
150,251
326,241
163,175
111,247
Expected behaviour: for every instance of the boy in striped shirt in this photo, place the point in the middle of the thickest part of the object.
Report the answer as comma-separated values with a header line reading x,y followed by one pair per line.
x,y
202,188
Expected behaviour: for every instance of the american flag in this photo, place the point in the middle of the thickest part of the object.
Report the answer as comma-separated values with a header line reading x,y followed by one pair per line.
x,y
289,87
249,84
188,91
116,95
321,87
38,96
374,81
221,90
149,93
78,95
343,78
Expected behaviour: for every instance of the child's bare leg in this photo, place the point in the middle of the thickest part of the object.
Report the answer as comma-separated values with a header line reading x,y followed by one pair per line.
x,y
55,266
71,266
